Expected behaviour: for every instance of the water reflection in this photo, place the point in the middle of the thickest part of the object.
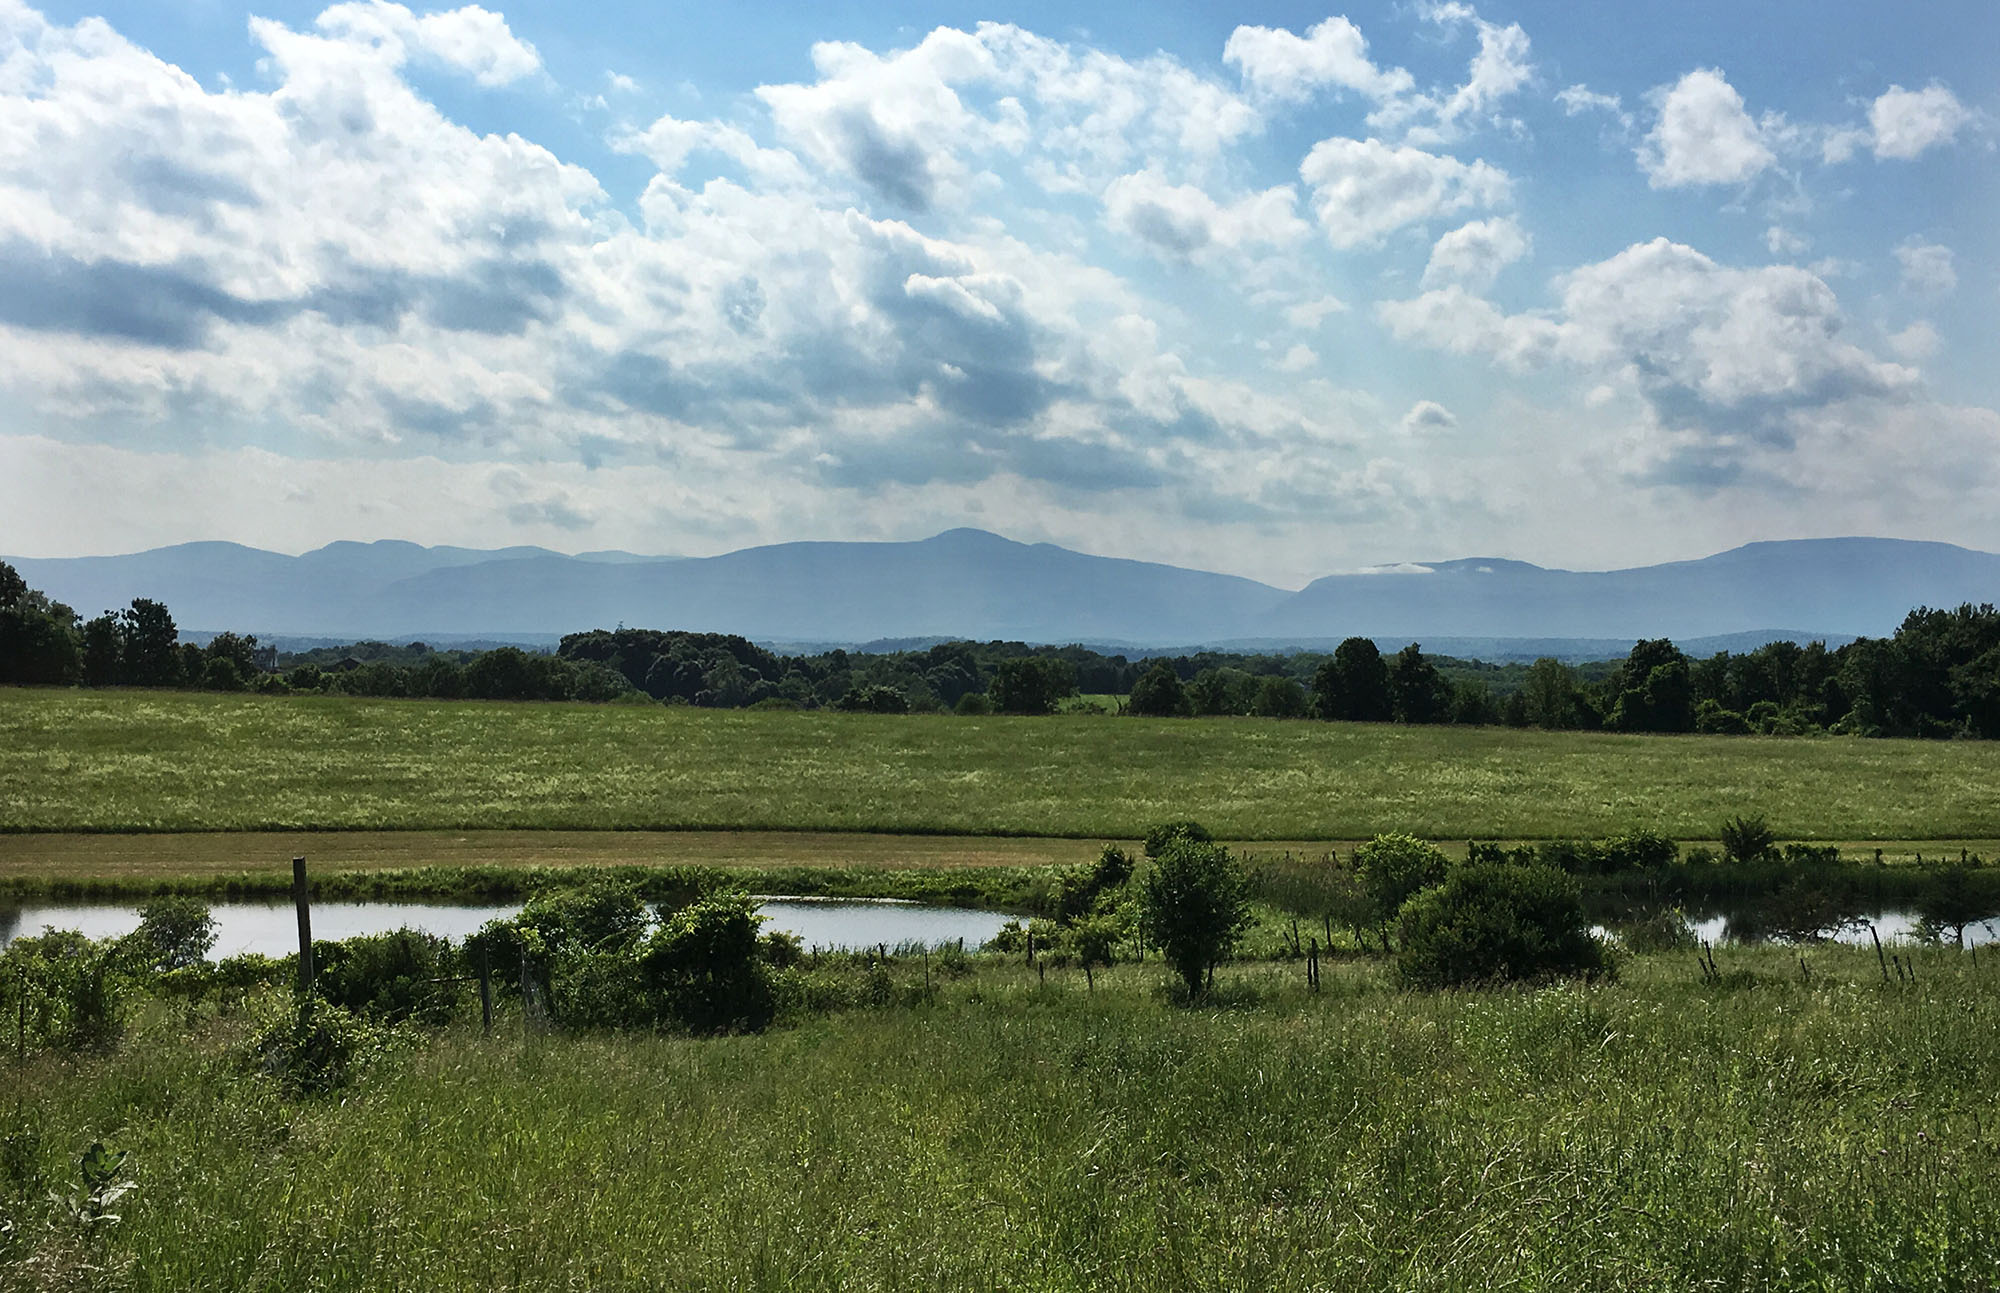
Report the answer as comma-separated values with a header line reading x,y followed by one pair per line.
x,y
271,929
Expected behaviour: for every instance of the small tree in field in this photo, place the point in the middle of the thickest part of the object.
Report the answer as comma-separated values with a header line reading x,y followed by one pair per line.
x,y
1193,905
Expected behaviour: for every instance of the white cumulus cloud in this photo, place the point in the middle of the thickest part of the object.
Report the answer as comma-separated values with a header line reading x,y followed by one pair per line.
x,y
1475,253
1907,123
1702,135
1363,189
1279,64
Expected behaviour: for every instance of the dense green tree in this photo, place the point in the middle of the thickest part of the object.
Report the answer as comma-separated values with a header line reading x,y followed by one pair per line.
x,y
1417,691
1031,685
1353,685
12,586
1158,693
1279,697
38,640
103,651
175,932
221,674
1549,696
1194,904
1222,690
240,651
152,650
1472,703
1653,691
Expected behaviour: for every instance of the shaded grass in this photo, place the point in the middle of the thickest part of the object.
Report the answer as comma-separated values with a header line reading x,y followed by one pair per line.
x,y
1651,1134
133,761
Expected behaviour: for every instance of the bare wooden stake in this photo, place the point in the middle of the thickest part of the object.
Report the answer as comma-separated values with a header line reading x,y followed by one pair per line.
x,y
485,994
302,899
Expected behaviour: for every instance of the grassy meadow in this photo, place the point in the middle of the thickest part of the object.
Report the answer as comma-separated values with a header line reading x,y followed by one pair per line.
x,y
74,761
1654,1133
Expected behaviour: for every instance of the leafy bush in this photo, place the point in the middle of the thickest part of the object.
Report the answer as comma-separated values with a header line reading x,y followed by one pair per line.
x,y
1489,924
1159,837
973,704
1747,839
1393,867
873,698
73,991
606,914
402,975
175,933
704,966
1639,851
1194,903
314,1048
1811,855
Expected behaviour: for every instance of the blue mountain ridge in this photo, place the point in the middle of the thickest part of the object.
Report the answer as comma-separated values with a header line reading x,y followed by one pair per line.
x,y
970,583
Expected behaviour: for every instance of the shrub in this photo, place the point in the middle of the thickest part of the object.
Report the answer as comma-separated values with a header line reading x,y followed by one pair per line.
x,y
873,698
1639,851
973,704
605,914
175,933
314,1048
66,989
1747,839
1811,855
1160,836
704,965
1490,924
1393,867
389,977
1096,939
1193,905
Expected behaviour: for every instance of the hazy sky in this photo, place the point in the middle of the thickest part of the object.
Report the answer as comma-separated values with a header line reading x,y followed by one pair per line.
x,y
1283,294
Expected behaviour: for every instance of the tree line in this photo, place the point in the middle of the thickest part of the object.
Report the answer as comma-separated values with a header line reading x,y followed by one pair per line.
x,y
1937,676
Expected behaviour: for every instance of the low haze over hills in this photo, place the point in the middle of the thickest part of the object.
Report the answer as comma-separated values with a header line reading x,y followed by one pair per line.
x,y
968,583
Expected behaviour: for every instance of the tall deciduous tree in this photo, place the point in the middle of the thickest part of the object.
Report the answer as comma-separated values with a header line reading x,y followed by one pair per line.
x,y
1353,684
1417,691
1158,693
152,651
1031,684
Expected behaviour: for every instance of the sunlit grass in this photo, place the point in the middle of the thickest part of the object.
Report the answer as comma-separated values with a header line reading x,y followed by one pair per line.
x,y
1650,1134
128,761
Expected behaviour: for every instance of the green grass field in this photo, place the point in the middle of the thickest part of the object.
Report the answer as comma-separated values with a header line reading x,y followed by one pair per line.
x,y
1653,1134
133,761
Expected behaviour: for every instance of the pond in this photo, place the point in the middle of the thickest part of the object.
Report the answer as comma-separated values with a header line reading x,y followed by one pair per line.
x,y
271,929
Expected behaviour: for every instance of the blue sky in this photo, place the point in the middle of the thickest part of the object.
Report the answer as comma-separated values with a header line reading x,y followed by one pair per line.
x,y
1283,293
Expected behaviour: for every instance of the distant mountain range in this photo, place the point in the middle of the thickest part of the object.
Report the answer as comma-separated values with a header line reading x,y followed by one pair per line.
x,y
968,583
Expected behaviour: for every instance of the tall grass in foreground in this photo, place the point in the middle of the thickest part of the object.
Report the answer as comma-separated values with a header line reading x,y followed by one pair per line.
x,y
1653,1134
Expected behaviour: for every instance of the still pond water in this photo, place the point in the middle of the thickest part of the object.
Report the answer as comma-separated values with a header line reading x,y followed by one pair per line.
x,y
271,929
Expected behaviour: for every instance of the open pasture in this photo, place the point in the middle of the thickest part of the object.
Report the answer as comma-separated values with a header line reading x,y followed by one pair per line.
x,y
132,761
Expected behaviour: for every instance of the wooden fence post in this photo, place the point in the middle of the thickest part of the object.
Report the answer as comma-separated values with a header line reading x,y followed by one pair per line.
x,y
485,993
302,900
